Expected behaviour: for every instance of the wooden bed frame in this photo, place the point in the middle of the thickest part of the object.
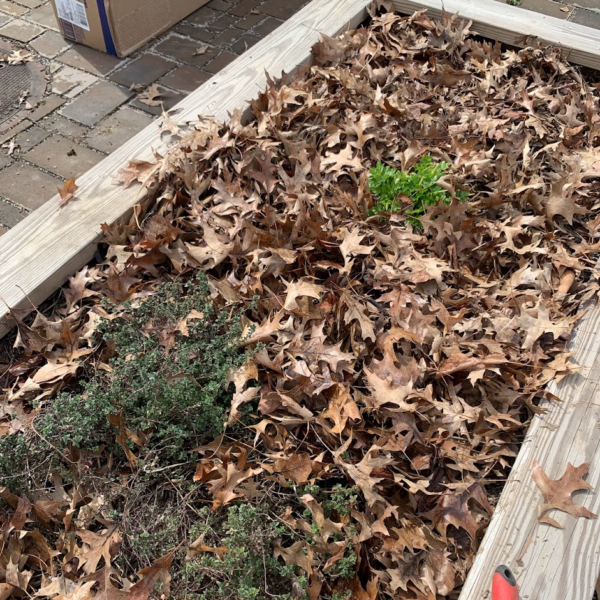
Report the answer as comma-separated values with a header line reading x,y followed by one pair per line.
x,y
38,255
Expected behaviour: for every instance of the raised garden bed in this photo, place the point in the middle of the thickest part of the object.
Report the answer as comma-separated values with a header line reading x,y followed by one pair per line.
x,y
385,358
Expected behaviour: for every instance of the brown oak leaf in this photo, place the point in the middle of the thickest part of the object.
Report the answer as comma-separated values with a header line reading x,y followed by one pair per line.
x,y
557,492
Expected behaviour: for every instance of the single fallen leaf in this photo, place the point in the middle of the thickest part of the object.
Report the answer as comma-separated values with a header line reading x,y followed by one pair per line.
x,y
150,96
557,493
157,572
201,50
199,547
67,192
297,467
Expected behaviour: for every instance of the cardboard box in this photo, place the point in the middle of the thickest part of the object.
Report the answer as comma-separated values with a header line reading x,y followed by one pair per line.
x,y
119,27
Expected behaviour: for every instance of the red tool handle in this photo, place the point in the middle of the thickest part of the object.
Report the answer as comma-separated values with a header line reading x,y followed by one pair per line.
x,y
504,585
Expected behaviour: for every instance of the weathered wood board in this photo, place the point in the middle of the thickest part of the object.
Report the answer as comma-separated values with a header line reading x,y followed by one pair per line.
x,y
550,563
517,26
40,253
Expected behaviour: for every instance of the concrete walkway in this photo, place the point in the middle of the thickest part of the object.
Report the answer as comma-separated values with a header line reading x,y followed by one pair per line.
x,y
584,12
92,102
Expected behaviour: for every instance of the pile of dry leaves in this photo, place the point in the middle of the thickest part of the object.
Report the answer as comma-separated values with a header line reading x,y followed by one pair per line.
x,y
403,362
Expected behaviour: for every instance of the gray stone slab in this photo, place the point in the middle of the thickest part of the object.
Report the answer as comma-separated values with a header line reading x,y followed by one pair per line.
x,y
243,43
120,127
90,60
50,44
46,105
10,214
183,50
202,34
20,30
185,79
30,138
250,21
70,82
267,26
63,157
58,124
96,103
282,10
143,70
4,19
203,16
220,62
27,186
44,16
30,3
5,160
585,17
16,10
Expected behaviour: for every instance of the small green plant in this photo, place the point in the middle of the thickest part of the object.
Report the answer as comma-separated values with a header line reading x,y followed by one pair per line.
x,y
168,386
514,2
247,570
392,186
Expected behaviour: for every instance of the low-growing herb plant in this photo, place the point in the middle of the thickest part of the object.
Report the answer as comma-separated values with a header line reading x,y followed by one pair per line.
x,y
392,186
167,360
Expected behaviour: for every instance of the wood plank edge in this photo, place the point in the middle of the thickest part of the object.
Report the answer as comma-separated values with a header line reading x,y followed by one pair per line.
x,y
517,26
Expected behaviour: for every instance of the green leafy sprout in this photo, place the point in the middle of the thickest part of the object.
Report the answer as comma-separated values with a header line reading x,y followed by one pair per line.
x,y
389,185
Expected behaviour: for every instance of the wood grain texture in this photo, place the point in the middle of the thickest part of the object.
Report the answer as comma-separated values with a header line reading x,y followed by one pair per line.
x,y
511,25
40,253
550,563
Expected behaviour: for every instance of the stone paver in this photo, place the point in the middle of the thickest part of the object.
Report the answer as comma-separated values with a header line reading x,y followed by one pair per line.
x,y
89,109
202,34
250,21
69,82
169,99
184,50
267,26
114,131
5,160
281,10
30,3
143,70
10,214
27,186
30,138
220,62
96,103
546,7
244,43
16,10
203,16
585,17
46,106
58,124
89,60
20,30
50,44
185,79
3,230
44,16
63,157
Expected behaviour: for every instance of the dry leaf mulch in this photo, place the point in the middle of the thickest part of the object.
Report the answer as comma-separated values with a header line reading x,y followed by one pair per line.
x,y
404,362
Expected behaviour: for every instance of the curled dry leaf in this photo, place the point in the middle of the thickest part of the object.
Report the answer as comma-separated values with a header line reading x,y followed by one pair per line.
x,y
67,192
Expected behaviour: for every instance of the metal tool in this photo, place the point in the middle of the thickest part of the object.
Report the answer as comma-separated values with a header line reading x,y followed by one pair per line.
x,y
504,584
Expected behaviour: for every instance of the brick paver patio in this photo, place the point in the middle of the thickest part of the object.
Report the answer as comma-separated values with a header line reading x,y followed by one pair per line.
x,y
92,103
